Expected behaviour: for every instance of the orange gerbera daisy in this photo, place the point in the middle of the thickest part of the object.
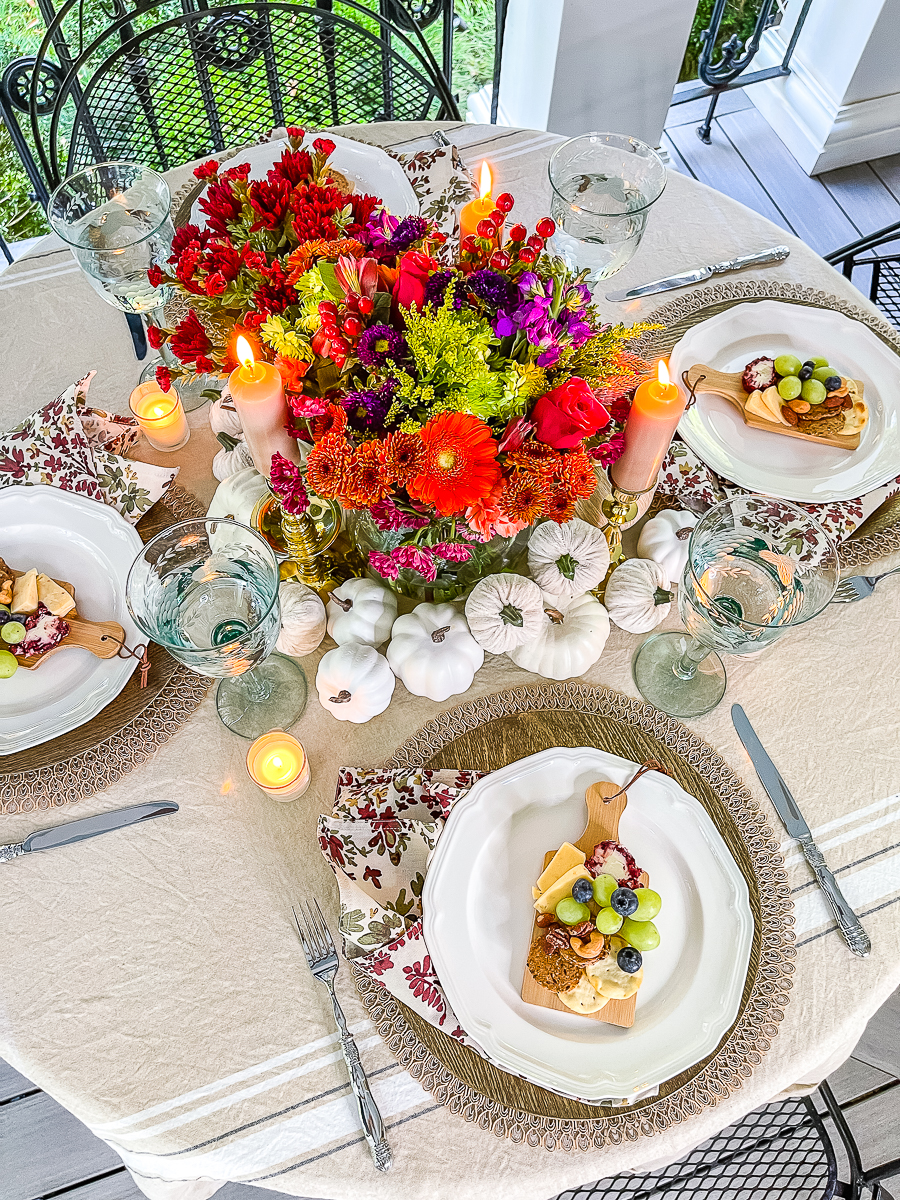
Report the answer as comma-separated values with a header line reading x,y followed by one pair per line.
x,y
402,454
524,496
459,463
333,420
577,475
364,482
327,465
560,505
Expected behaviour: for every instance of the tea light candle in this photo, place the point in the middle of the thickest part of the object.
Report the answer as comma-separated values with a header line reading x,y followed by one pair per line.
x,y
160,415
655,413
258,395
277,764
476,210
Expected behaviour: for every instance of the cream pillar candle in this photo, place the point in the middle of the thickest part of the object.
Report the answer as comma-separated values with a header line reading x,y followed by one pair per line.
x,y
258,396
655,413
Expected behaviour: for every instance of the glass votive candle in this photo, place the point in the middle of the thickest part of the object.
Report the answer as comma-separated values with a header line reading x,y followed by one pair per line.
x,y
160,415
277,764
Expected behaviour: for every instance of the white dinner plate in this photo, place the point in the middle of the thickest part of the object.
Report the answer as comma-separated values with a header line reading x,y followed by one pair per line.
x,y
91,546
368,167
478,915
769,462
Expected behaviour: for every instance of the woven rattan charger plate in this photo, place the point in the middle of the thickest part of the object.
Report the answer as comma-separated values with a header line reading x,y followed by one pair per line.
x,y
490,733
875,545
127,731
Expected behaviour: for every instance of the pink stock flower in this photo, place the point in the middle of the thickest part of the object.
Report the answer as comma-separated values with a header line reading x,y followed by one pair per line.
x,y
307,407
416,558
383,564
452,551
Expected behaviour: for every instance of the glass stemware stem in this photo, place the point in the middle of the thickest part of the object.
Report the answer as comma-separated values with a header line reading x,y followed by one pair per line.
x,y
694,654
258,687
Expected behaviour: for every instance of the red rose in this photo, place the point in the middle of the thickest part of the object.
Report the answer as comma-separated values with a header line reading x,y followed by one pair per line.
x,y
415,268
566,416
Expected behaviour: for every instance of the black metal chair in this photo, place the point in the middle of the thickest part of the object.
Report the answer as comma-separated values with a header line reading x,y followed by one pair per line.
x,y
163,89
781,1152
884,281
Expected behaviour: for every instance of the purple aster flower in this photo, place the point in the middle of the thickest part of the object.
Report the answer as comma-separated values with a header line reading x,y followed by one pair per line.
x,y
378,344
492,287
367,409
452,551
436,289
409,231
416,558
383,564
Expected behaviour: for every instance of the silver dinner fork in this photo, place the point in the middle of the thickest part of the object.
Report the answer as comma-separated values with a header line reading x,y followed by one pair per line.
x,y
321,955
858,587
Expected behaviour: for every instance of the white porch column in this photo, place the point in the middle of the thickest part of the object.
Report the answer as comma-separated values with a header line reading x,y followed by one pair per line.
x,y
572,66
841,102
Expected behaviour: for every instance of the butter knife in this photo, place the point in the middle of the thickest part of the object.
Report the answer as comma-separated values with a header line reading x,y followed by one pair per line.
x,y
795,824
77,831
773,254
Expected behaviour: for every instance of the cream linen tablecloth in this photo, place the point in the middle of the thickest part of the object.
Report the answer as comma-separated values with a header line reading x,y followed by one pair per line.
x,y
151,980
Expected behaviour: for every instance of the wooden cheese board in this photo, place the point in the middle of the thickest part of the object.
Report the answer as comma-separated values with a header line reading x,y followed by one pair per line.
x,y
602,826
729,386
102,638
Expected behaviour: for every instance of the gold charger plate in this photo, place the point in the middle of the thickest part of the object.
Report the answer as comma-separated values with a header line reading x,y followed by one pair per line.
x,y
496,730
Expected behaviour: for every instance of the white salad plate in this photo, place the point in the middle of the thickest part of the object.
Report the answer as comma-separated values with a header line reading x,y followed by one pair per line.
x,y
478,913
368,167
91,546
771,463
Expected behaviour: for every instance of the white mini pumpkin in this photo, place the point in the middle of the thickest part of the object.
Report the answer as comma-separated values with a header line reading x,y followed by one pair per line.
x,y
224,417
432,652
638,596
354,683
665,539
237,495
504,611
363,611
302,619
571,640
233,457
569,559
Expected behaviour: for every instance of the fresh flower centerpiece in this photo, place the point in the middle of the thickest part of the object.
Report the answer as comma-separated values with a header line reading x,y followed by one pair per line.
x,y
447,397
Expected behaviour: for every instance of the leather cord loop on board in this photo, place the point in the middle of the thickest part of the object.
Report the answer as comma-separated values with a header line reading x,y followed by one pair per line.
x,y
650,765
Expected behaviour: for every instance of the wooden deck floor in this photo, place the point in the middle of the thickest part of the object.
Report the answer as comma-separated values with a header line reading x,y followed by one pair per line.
x,y
46,1153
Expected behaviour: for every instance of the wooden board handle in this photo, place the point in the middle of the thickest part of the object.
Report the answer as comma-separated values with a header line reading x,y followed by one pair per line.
x,y
603,815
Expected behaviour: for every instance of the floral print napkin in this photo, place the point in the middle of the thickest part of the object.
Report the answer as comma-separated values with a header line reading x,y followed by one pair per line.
x,y
79,449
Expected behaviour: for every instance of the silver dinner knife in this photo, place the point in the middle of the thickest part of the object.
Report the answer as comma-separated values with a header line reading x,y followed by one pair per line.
x,y
87,827
773,254
795,824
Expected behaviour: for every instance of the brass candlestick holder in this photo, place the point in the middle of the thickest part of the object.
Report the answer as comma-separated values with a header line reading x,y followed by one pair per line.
x,y
620,508
302,539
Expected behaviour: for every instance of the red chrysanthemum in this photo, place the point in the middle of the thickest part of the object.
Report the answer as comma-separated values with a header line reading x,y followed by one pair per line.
x,y
559,506
154,275
327,464
294,165
223,259
186,269
333,420
189,340
459,463
164,378
220,206
188,235
314,207
206,170
275,294
364,483
402,456
524,496
269,198
155,336
362,206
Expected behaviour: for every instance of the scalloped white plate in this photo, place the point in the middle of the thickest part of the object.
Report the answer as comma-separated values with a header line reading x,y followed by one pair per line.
x,y
478,921
768,462
91,546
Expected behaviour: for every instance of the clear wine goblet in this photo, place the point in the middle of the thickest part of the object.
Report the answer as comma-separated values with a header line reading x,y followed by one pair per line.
x,y
116,217
756,567
206,590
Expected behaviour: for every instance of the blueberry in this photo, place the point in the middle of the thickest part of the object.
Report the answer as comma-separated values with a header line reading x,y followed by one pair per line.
x,y
583,890
623,901
810,362
832,383
629,960
805,372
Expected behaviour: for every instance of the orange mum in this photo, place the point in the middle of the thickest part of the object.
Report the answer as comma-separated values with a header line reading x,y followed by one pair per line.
x,y
560,505
533,457
524,496
364,483
459,463
402,455
327,465
334,420
577,476
301,259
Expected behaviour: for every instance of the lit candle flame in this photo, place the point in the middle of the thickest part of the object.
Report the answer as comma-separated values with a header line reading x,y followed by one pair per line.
x,y
486,182
662,372
244,352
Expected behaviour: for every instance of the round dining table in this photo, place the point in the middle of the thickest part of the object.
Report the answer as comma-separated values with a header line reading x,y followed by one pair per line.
x,y
153,983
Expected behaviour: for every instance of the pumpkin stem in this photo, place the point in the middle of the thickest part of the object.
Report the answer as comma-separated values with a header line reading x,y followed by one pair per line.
x,y
342,697
440,634
566,565
346,605
510,615
684,534
661,596
555,615
227,441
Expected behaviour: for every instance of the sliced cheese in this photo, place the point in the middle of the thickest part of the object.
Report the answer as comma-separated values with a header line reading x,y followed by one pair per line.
x,y
548,900
758,407
566,857
25,593
54,597
535,892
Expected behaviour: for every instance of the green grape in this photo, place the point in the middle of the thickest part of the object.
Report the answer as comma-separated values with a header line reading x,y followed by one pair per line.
x,y
789,387
607,920
13,632
570,912
813,391
649,904
604,886
643,935
788,364
823,373
818,363
9,666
